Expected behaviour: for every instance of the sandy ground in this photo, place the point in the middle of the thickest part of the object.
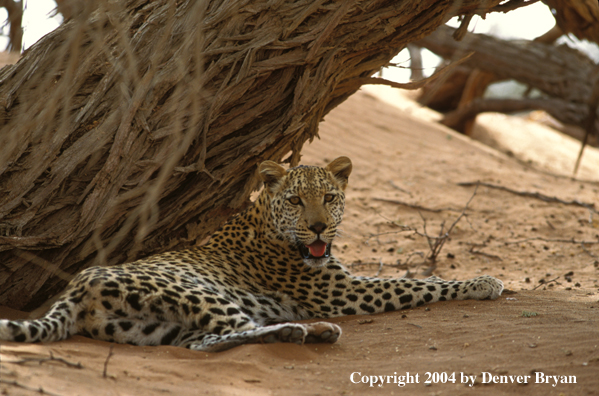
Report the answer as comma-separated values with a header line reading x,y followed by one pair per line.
x,y
545,326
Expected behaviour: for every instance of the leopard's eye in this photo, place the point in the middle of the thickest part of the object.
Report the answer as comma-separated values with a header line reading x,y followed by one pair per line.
x,y
295,200
329,197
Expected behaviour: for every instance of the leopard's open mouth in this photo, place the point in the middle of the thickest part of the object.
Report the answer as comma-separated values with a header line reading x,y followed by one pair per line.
x,y
317,249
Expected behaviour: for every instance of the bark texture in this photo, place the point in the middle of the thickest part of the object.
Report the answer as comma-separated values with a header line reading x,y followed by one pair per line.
x,y
136,126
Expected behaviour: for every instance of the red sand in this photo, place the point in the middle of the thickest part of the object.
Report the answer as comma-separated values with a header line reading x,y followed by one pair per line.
x,y
396,157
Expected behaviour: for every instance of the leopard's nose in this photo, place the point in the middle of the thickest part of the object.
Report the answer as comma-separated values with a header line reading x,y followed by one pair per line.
x,y
318,227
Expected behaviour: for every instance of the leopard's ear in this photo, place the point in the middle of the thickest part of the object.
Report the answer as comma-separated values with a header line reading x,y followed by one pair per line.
x,y
271,174
340,168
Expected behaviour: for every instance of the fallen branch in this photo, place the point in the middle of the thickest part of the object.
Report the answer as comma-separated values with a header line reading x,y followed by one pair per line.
x,y
535,64
572,113
536,195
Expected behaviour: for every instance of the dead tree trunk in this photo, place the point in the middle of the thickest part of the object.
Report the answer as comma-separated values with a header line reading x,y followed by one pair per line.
x,y
563,74
135,127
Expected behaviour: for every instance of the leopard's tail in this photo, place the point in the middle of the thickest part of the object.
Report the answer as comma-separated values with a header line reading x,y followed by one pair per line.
x,y
57,324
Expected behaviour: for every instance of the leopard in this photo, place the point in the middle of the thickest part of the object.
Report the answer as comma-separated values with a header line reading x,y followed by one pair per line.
x,y
257,280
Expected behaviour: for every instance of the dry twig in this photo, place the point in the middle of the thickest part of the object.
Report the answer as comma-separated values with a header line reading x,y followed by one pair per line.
x,y
587,251
484,254
48,359
536,195
380,268
395,186
39,390
415,206
410,274
404,228
560,240
544,282
435,243
107,359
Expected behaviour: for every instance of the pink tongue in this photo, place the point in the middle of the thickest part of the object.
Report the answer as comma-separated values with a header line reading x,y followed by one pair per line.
x,y
318,248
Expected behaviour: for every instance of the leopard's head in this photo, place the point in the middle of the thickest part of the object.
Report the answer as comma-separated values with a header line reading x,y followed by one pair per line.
x,y
306,205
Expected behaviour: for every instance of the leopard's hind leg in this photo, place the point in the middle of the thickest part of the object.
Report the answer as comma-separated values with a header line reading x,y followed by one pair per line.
x,y
297,333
